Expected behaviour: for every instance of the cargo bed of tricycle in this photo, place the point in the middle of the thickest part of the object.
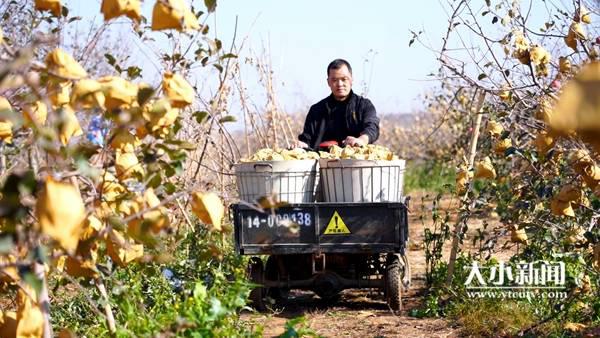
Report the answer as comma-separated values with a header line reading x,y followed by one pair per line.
x,y
321,228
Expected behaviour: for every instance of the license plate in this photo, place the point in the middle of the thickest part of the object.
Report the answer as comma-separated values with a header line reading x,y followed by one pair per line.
x,y
280,218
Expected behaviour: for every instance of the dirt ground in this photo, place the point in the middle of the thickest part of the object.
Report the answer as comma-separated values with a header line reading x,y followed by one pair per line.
x,y
360,313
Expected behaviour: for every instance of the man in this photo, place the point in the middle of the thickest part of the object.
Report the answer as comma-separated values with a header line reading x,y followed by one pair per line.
x,y
343,116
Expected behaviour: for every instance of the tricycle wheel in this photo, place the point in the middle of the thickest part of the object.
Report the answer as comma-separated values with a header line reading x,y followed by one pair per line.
x,y
273,273
255,274
393,282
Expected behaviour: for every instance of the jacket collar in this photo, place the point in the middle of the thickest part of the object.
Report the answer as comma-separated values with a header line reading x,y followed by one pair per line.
x,y
351,96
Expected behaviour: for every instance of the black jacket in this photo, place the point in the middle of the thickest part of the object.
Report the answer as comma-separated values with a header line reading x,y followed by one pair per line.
x,y
358,118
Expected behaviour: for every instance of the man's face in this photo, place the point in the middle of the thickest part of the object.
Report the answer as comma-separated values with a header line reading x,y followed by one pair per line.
x,y
340,82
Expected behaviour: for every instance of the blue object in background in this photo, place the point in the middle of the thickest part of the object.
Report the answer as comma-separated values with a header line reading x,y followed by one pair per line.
x,y
176,283
97,130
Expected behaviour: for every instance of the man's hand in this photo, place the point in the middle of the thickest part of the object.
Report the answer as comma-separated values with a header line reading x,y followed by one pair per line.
x,y
360,141
299,144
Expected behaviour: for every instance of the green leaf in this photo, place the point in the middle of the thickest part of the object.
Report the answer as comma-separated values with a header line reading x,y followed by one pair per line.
x,y
227,118
481,76
134,72
110,59
6,244
200,116
228,56
155,181
211,5
170,188
219,67
187,145
31,279
144,94
169,170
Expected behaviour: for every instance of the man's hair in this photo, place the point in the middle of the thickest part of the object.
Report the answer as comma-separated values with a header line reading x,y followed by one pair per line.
x,y
337,64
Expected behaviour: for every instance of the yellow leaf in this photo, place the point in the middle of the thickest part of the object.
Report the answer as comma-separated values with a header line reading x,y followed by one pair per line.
x,y
62,64
518,235
521,42
586,284
8,274
538,55
127,165
87,94
5,125
591,175
578,30
157,218
179,92
571,40
35,113
578,105
543,142
6,131
574,327
502,145
63,224
485,169
494,128
30,320
564,65
53,6
4,104
173,14
580,159
575,235
58,92
80,268
505,95
209,208
115,8
463,176
569,193
118,92
544,110
66,333
125,141
584,15
160,116
561,208
69,125
123,251
110,188
91,227
8,324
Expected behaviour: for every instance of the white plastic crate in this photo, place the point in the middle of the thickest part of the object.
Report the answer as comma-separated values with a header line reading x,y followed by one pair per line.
x,y
347,180
291,181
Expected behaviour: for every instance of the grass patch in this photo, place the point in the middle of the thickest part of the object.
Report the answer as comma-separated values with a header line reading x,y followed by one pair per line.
x,y
492,318
431,176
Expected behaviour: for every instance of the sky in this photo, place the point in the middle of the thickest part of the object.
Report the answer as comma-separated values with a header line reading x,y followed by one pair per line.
x,y
302,37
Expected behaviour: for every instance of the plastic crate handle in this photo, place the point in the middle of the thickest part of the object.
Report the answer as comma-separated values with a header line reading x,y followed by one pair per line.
x,y
263,165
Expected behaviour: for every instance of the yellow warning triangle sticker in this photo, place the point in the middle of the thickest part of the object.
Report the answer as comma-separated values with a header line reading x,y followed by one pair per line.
x,y
336,225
